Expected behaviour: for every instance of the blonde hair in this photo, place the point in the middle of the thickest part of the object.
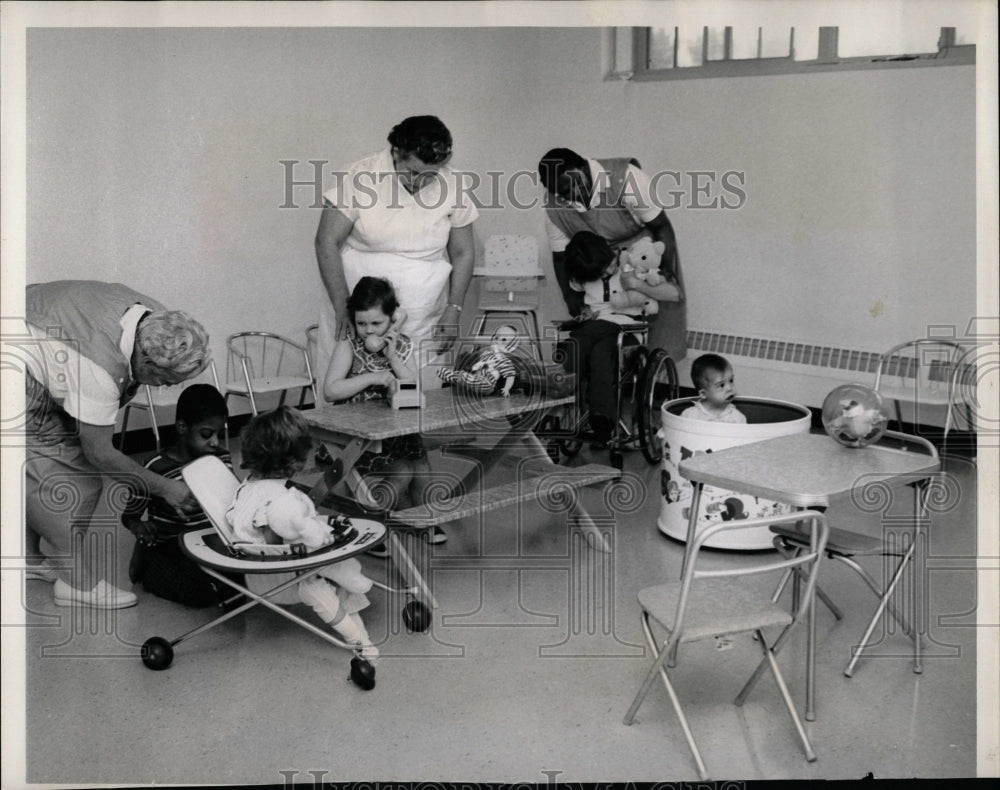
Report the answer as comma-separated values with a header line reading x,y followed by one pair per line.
x,y
173,341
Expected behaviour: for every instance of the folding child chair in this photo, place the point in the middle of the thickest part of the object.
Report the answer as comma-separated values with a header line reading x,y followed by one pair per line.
x,y
283,566
711,603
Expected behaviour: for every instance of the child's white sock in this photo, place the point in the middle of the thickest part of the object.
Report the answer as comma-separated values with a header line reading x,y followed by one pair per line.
x,y
353,630
322,596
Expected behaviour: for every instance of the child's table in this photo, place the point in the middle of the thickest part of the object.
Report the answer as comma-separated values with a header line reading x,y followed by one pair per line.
x,y
810,470
461,422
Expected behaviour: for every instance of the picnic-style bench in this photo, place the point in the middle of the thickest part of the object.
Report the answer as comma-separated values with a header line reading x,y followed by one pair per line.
x,y
453,420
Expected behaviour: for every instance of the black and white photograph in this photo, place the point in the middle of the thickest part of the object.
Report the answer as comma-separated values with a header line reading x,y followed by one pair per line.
x,y
499,393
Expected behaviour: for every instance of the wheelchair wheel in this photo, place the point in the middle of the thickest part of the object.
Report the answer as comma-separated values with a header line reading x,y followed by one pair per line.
x,y
658,386
631,392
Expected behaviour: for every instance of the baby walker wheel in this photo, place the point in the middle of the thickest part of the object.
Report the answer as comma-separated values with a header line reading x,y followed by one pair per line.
x,y
157,653
416,616
362,673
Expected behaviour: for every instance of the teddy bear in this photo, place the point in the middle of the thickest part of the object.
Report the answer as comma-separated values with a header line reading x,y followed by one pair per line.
x,y
642,258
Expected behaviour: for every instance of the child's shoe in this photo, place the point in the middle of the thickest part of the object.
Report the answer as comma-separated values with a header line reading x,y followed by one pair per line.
x,y
353,631
601,428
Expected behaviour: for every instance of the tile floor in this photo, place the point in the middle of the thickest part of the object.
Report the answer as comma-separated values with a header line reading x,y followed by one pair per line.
x,y
532,660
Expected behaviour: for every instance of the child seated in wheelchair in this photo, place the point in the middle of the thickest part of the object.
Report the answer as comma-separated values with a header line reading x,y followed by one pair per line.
x,y
362,368
611,298
157,561
712,376
268,508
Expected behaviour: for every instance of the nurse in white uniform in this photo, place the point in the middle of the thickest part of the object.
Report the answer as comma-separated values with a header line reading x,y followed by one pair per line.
x,y
400,214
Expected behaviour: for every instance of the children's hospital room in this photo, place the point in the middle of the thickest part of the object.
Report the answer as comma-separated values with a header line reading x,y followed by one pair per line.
x,y
462,397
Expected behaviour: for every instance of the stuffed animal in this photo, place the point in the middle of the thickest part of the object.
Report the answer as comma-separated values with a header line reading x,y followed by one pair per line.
x,y
626,298
642,258
272,511
490,371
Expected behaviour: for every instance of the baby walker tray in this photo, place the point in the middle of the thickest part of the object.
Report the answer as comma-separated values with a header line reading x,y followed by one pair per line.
x,y
214,485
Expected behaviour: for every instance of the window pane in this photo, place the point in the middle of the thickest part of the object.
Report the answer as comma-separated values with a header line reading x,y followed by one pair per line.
x,y
855,42
901,37
661,47
773,43
806,43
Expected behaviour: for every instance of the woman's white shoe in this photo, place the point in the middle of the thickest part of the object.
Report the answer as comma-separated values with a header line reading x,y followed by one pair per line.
x,y
103,596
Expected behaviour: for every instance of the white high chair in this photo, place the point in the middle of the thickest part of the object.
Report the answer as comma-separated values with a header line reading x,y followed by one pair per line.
x,y
509,281
282,566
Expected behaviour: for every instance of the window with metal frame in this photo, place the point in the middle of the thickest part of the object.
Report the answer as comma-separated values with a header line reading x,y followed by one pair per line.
x,y
667,53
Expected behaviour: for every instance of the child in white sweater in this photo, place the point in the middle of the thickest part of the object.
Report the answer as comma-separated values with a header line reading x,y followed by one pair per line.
x,y
268,509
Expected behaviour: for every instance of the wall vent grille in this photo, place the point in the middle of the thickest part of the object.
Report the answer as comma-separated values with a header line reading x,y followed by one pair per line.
x,y
829,357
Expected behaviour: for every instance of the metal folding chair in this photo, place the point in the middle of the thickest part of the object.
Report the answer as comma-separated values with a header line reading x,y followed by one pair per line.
x,y
264,362
712,603
928,373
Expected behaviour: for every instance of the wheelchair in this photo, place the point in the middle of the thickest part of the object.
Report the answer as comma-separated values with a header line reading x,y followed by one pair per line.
x,y
646,379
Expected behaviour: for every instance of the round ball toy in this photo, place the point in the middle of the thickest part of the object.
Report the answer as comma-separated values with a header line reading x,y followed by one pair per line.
x,y
854,415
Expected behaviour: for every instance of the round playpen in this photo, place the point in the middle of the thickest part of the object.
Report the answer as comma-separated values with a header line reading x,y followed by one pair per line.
x,y
682,437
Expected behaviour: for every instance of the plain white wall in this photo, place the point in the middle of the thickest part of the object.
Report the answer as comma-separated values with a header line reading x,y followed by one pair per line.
x,y
153,159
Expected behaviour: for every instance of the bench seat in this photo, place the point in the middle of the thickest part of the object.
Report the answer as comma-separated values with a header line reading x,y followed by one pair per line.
x,y
527,489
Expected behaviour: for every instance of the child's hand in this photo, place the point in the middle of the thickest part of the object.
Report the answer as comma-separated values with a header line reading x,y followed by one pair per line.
x,y
587,313
384,378
390,346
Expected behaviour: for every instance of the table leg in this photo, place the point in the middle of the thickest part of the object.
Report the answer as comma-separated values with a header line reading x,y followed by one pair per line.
x,y
347,456
349,480
692,523
586,524
811,657
919,568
